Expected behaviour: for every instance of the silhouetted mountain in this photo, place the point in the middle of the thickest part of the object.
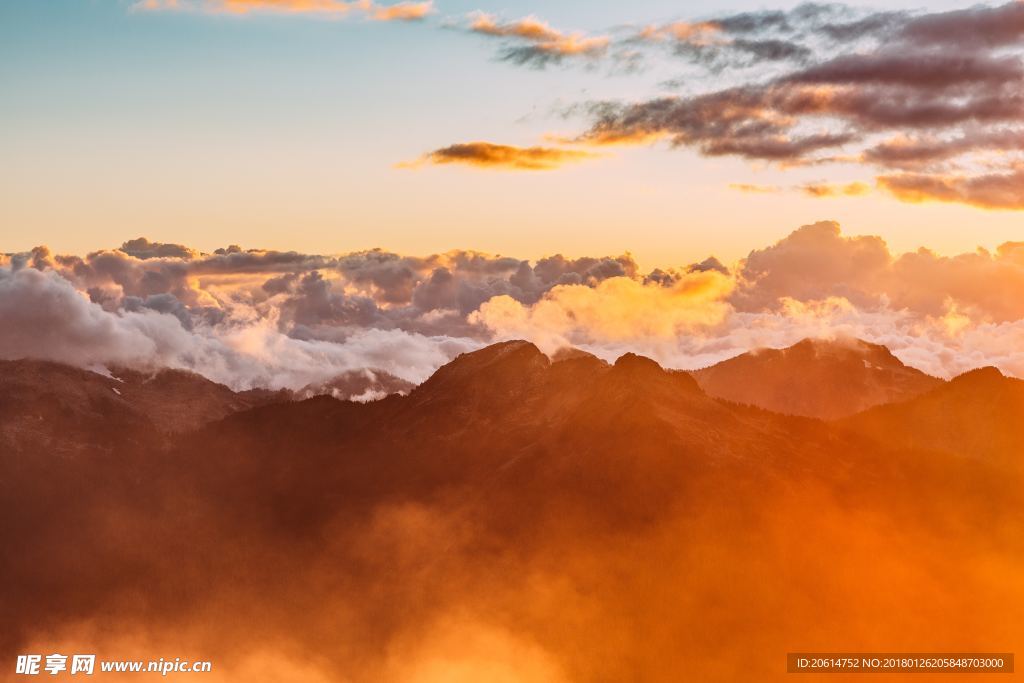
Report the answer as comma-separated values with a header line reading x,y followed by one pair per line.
x,y
72,409
512,517
65,410
816,378
979,414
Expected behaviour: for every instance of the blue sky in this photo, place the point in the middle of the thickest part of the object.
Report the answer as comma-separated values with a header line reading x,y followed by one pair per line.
x,y
285,131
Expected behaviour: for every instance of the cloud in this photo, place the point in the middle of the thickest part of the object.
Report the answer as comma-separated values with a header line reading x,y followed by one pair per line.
x,y
755,189
823,190
939,94
943,314
402,11
536,43
47,318
987,191
767,38
257,318
617,310
978,26
490,155
265,318
813,263
142,248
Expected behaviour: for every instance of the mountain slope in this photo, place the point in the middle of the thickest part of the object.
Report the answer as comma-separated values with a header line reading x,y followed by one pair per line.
x,y
978,415
815,378
513,518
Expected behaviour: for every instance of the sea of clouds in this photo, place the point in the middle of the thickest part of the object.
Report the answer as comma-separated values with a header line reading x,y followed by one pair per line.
x,y
258,318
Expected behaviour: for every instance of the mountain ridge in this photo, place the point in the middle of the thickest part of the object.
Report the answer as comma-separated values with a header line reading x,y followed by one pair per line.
x,y
803,379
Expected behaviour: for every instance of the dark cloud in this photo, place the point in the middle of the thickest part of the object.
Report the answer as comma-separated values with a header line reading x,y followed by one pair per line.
x,y
939,102
928,71
977,27
754,22
142,248
877,25
390,276
754,123
773,50
161,303
928,151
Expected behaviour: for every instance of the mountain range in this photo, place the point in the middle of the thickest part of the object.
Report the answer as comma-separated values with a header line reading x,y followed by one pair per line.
x,y
519,517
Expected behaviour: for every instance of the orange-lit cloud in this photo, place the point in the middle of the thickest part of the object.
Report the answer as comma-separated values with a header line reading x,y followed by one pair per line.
x,y
823,85
986,191
402,11
617,310
822,190
535,42
490,155
755,189
699,33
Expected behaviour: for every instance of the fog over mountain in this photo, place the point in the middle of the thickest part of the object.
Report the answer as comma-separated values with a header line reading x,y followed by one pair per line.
x,y
265,319
513,518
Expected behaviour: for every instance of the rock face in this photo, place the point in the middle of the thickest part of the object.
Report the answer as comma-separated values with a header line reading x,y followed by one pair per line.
x,y
816,378
512,517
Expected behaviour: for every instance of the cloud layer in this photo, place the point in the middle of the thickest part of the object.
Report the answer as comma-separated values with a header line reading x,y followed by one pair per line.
x,y
257,318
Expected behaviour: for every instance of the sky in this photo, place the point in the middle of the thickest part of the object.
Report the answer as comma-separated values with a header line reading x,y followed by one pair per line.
x,y
273,192
329,131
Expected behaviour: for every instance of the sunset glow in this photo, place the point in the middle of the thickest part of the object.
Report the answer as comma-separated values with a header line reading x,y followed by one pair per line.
x,y
445,341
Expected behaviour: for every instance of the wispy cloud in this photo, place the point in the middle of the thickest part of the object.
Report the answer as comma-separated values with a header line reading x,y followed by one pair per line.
x,y
986,191
939,97
750,188
536,43
490,155
822,190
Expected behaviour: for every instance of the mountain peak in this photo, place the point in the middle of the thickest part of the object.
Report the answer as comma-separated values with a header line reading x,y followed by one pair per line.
x,y
983,375
840,348
635,363
504,368
816,377
509,353
571,353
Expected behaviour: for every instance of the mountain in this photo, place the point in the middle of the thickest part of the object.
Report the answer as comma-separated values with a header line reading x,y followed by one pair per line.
x,y
72,409
825,379
978,415
514,517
